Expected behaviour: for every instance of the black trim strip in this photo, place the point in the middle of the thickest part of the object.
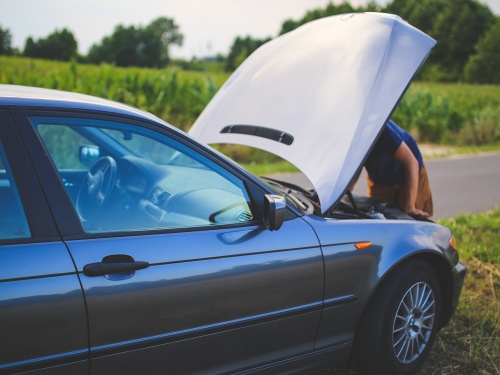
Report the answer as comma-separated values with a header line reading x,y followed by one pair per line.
x,y
260,131
105,350
229,256
37,277
44,362
338,301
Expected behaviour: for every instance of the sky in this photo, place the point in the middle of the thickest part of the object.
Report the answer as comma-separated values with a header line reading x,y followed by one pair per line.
x,y
209,26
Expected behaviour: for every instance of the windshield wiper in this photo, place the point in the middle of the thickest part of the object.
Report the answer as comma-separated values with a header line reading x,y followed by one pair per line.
x,y
297,201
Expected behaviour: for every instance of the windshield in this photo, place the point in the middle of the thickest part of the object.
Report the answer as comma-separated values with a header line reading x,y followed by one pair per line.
x,y
296,196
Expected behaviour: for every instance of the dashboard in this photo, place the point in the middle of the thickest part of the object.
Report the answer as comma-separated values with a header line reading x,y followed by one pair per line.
x,y
151,195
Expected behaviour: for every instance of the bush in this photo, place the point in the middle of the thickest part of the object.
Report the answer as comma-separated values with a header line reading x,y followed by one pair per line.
x,y
484,130
483,66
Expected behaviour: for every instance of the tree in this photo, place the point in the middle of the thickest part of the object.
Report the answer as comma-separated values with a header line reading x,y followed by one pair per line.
x,y
483,66
330,10
138,46
122,48
60,45
457,26
159,35
5,41
241,49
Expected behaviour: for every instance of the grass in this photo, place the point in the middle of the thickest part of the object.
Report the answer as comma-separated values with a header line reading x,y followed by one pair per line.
x,y
267,168
470,344
435,151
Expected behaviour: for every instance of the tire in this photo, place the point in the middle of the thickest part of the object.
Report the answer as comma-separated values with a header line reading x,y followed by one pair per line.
x,y
400,323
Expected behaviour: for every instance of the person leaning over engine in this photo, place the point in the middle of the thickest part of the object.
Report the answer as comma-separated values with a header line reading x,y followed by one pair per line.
x,y
396,173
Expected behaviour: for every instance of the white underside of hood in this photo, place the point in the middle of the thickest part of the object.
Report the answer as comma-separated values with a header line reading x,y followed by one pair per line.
x,y
326,89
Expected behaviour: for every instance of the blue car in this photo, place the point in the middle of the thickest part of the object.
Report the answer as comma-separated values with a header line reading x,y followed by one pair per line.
x,y
128,246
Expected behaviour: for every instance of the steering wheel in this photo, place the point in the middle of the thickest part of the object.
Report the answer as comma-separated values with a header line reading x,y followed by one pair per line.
x,y
96,187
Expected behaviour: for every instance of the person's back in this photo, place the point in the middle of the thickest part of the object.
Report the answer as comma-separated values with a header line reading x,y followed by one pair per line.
x,y
396,172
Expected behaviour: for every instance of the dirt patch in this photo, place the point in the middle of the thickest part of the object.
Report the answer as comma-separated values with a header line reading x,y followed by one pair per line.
x,y
433,151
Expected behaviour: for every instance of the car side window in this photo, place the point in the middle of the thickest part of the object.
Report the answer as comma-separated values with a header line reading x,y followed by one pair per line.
x,y
126,178
13,223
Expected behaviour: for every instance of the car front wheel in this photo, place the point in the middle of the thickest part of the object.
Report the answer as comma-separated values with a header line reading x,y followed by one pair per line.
x,y
400,324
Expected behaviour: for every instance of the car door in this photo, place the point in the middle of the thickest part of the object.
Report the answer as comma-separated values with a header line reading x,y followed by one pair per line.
x,y
179,274
43,322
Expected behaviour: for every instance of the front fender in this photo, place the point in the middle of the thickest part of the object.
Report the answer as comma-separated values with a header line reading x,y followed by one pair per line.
x,y
352,275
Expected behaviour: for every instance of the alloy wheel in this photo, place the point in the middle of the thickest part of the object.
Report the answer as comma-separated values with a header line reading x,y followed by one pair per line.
x,y
413,323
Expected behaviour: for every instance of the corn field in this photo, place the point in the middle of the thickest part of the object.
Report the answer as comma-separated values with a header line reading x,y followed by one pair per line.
x,y
175,96
454,114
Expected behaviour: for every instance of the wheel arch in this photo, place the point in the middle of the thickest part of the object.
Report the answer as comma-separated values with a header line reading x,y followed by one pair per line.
x,y
444,274
374,313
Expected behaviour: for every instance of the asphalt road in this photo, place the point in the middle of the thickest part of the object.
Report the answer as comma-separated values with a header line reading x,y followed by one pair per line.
x,y
466,184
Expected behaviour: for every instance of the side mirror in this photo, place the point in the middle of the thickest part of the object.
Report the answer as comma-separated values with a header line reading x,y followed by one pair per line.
x,y
88,155
274,211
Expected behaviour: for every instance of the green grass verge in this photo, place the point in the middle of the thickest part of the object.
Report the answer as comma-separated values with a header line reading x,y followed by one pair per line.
x,y
470,344
433,151
266,168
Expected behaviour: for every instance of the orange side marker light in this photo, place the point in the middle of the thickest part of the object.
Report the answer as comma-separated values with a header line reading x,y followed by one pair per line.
x,y
362,245
453,244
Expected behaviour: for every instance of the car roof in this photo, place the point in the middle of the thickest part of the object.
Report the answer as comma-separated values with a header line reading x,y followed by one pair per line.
x,y
24,96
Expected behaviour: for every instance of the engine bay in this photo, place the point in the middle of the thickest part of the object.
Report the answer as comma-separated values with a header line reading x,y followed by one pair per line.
x,y
349,207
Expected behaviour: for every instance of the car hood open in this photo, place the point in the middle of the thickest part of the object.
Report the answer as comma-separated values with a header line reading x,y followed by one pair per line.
x,y
319,96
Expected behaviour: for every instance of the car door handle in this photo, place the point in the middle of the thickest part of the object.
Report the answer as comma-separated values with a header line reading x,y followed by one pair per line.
x,y
107,268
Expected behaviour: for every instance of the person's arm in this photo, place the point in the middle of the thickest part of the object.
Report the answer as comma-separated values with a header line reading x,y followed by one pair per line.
x,y
404,155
